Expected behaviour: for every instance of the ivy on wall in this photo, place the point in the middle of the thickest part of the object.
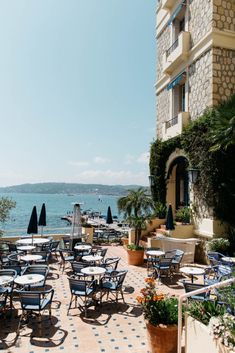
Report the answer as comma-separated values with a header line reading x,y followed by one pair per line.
x,y
215,186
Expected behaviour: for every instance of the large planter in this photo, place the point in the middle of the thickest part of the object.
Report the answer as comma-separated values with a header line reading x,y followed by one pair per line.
x,y
135,257
162,339
198,338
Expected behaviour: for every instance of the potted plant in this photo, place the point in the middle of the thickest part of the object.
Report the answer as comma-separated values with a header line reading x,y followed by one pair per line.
x,y
220,245
183,215
161,316
137,209
160,210
208,326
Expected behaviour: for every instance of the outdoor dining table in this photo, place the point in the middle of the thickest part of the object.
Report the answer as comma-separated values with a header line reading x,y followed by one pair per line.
x,y
32,241
92,258
83,247
155,253
93,271
27,280
26,247
192,271
31,258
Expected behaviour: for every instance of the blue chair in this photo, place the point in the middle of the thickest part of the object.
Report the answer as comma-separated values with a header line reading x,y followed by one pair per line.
x,y
215,274
214,257
82,289
39,270
151,260
9,287
112,284
190,287
164,267
110,264
34,301
66,256
177,259
77,266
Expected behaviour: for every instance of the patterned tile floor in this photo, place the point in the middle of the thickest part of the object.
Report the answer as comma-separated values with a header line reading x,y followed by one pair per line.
x,y
109,328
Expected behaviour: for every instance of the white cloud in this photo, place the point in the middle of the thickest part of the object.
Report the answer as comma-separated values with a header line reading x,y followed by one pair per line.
x,y
143,158
100,160
79,163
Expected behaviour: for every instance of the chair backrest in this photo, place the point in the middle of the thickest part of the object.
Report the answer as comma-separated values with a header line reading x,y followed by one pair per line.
x,y
120,278
14,259
170,253
77,266
178,256
17,268
8,272
30,298
189,287
54,245
101,252
165,262
44,254
223,272
37,269
79,285
215,254
12,247
111,262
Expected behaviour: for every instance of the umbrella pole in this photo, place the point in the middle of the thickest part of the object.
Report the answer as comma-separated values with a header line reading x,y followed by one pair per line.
x,y
41,231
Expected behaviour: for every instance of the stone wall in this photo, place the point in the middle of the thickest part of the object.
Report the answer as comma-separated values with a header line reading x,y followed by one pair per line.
x,y
200,19
163,43
163,110
224,14
223,74
200,85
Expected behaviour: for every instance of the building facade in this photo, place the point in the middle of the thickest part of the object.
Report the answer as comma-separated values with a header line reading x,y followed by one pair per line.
x,y
195,70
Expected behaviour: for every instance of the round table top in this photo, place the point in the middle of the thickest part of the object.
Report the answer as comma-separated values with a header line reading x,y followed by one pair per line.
x,y
155,252
192,270
99,231
29,279
26,247
93,271
90,258
35,241
228,259
32,257
5,279
82,247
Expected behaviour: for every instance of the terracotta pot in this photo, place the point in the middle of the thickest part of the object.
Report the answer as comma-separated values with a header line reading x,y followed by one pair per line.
x,y
162,339
125,241
135,257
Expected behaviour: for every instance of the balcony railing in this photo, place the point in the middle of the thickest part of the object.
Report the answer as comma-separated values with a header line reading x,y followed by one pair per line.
x,y
172,122
172,48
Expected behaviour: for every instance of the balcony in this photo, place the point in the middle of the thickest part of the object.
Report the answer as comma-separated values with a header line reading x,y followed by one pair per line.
x,y
177,53
168,4
174,127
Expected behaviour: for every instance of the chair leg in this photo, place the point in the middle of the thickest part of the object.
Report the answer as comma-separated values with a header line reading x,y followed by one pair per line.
x,y
70,304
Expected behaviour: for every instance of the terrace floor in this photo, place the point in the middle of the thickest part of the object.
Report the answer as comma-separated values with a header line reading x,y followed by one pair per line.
x,y
109,328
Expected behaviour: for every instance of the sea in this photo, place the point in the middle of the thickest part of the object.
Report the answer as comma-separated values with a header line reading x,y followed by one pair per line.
x,y
57,206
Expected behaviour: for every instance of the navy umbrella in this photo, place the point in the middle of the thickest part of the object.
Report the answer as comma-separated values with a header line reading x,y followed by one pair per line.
x,y
109,218
33,223
42,217
169,219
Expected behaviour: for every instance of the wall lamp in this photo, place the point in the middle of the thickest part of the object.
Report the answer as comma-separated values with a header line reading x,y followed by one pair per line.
x,y
193,175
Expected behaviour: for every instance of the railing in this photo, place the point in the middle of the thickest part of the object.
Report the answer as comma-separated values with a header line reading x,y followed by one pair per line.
x,y
172,122
187,295
172,48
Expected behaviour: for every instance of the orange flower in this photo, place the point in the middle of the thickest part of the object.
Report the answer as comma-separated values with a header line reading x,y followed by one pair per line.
x,y
150,280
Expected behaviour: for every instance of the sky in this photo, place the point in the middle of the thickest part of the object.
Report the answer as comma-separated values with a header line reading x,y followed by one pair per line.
x,y
77,101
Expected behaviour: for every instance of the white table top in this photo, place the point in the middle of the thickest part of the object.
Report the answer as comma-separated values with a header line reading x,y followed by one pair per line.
x,y
155,253
5,279
90,258
82,247
34,242
228,259
93,271
32,257
98,231
29,279
26,247
192,270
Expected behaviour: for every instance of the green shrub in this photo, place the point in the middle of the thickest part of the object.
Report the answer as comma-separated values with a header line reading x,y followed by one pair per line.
x,y
218,244
183,215
134,247
160,210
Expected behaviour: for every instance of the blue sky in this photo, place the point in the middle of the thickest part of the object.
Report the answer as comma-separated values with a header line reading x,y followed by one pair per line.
x,y
77,99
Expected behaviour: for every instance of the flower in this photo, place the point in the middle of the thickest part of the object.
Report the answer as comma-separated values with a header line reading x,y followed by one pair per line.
x,y
223,328
158,308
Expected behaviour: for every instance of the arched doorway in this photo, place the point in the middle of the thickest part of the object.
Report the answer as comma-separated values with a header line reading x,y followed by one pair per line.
x,y
178,183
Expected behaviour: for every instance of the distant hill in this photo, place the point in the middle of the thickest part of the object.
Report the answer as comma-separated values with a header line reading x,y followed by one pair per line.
x,y
68,188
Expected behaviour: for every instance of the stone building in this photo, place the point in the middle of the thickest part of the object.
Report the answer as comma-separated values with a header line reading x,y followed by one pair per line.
x,y
195,70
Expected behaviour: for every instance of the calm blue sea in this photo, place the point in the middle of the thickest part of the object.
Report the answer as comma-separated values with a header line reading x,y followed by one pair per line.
x,y
56,207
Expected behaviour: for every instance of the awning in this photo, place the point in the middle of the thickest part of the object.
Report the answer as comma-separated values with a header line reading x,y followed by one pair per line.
x,y
176,81
176,12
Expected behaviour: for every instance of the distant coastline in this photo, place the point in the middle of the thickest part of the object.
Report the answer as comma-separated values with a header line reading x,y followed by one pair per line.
x,y
69,189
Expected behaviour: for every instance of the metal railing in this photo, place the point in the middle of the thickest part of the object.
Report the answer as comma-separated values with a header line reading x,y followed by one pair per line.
x,y
172,48
172,122
189,294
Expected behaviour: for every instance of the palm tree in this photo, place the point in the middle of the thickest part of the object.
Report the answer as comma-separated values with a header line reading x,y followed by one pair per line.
x,y
223,127
137,209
